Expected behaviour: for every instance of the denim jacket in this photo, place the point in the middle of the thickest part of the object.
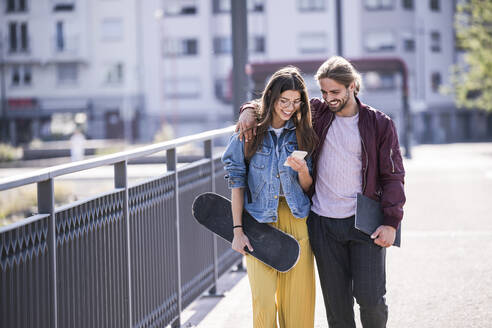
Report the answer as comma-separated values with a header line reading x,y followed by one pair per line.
x,y
266,172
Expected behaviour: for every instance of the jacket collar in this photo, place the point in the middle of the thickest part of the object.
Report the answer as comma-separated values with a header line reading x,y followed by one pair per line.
x,y
289,125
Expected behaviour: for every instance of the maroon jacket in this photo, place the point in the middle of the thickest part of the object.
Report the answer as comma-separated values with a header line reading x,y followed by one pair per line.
x,y
382,165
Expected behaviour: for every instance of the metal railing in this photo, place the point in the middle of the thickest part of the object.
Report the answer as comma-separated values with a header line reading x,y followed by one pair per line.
x,y
130,257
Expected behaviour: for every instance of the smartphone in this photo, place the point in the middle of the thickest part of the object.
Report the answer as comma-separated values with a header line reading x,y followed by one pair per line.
x,y
297,154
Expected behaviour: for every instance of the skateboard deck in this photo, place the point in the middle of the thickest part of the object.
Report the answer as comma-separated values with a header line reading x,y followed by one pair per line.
x,y
271,246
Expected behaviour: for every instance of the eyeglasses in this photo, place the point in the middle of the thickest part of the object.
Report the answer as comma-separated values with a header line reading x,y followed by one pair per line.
x,y
285,103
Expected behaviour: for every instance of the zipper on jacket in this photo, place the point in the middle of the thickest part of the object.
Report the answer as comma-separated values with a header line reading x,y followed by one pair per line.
x,y
391,159
365,169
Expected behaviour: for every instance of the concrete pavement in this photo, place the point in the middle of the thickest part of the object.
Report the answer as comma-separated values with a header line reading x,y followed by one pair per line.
x,y
442,275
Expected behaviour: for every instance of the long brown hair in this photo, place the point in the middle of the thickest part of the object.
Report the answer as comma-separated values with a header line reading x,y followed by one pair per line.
x,y
286,78
341,70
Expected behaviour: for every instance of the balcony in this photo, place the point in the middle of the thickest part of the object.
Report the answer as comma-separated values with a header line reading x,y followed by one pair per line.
x,y
66,49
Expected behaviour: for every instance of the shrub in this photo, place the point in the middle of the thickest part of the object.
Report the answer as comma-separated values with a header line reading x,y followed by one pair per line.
x,y
20,203
9,153
165,133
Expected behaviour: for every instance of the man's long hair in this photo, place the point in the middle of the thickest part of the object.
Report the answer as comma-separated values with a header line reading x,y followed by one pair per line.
x,y
341,70
287,78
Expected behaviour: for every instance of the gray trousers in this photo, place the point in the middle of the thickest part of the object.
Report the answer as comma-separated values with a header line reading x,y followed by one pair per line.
x,y
349,265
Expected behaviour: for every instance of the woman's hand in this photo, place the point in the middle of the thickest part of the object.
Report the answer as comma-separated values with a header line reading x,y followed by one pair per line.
x,y
240,241
297,164
300,166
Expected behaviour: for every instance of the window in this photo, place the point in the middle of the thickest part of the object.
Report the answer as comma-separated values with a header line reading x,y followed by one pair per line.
x,y
256,44
407,4
221,6
63,41
379,41
10,6
436,81
21,75
408,42
60,40
224,6
13,37
23,36
409,45
222,45
67,73
256,5
312,43
114,74
311,5
63,5
16,6
180,47
15,75
379,81
27,75
180,7
435,41
434,5
182,88
18,37
112,29
378,4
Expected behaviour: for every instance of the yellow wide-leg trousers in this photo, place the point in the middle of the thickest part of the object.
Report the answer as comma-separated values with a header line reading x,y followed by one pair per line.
x,y
290,294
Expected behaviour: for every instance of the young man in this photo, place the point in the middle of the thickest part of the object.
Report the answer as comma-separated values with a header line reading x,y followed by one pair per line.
x,y
358,152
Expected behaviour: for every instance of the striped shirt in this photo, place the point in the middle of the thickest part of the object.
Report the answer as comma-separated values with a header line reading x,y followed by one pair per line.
x,y
339,172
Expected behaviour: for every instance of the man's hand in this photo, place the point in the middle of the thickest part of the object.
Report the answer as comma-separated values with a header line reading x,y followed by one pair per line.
x,y
246,125
384,236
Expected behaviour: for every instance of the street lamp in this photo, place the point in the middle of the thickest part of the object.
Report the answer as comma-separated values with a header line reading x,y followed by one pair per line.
x,y
239,24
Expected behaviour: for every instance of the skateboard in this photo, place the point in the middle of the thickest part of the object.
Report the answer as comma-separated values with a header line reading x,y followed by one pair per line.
x,y
271,246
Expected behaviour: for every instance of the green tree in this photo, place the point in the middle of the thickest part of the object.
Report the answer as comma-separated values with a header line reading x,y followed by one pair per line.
x,y
472,79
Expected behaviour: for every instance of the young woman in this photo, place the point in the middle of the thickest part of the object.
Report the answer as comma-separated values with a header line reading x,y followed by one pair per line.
x,y
275,194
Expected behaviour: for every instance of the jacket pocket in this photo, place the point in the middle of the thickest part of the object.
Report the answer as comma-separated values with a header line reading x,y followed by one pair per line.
x,y
261,157
291,146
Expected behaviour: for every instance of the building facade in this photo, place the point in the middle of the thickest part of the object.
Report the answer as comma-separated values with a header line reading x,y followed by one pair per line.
x,y
196,59
131,67
421,33
65,59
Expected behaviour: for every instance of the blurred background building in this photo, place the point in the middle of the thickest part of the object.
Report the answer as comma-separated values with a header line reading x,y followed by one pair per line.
x,y
129,68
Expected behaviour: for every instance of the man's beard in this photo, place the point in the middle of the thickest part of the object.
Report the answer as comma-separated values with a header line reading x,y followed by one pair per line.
x,y
342,104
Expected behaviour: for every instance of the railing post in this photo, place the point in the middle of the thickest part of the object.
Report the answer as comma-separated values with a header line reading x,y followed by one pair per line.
x,y
121,181
208,144
46,205
172,165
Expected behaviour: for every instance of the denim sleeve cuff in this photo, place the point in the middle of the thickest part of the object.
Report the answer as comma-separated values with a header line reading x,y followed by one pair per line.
x,y
309,164
236,183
